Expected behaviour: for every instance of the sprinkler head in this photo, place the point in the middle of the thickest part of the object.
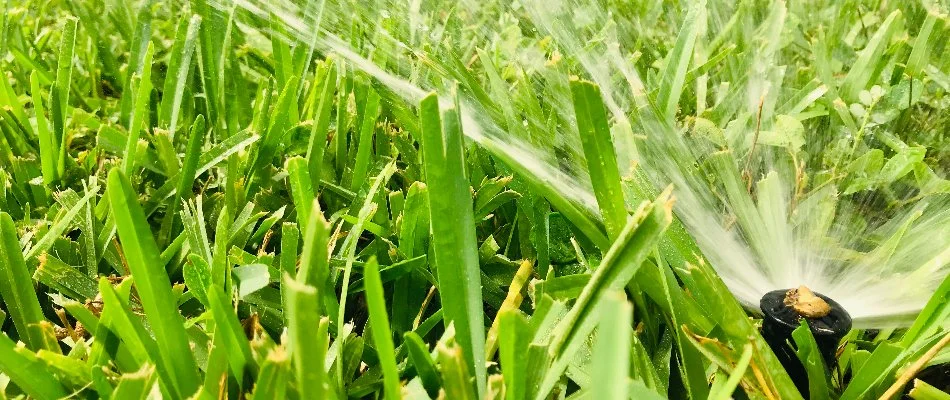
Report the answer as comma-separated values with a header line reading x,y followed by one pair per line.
x,y
783,312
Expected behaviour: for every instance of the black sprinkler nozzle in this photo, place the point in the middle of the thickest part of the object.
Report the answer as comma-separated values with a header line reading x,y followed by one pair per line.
x,y
783,313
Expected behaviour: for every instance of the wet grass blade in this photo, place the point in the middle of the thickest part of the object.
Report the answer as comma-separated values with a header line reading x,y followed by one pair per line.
x,y
870,59
142,87
365,145
61,225
154,287
636,242
677,61
186,178
453,231
382,335
59,94
319,131
179,67
599,151
16,287
808,353
301,189
611,364
49,152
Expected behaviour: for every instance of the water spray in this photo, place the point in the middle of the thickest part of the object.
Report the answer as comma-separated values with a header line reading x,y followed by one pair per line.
x,y
784,310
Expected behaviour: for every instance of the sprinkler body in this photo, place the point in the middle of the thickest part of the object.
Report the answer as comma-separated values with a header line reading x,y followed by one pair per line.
x,y
783,314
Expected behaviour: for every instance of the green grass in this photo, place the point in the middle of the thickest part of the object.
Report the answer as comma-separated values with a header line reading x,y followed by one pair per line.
x,y
202,201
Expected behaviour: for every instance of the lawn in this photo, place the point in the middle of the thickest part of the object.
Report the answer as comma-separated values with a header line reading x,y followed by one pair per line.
x,y
523,199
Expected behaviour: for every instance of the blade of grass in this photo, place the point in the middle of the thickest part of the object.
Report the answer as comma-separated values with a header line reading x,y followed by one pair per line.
x,y
365,145
512,302
809,355
308,353
49,152
456,375
422,361
726,390
677,61
142,87
924,391
318,132
289,243
272,381
136,385
139,43
621,262
301,189
56,231
228,328
865,68
179,67
610,363
27,372
186,178
68,280
128,327
59,94
382,336
599,151
16,287
453,231
154,287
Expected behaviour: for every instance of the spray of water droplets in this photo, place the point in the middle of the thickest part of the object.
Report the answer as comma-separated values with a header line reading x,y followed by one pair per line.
x,y
760,234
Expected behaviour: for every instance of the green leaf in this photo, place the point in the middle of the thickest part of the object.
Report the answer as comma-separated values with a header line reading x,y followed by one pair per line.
x,y
16,287
610,363
456,376
228,329
251,278
453,231
923,391
786,132
873,371
49,151
677,61
382,335
136,385
619,265
319,130
514,338
59,94
28,372
422,361
142,87
728,388
901,164
154,287
810,356
365,146
308,348
68,280
301,189
865,69
179,67
599,151
272,380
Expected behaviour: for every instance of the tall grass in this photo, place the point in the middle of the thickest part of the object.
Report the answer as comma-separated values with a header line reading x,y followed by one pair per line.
x,y
214,199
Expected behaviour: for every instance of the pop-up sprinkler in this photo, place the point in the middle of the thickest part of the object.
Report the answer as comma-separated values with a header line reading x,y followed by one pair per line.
x,y
785,309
